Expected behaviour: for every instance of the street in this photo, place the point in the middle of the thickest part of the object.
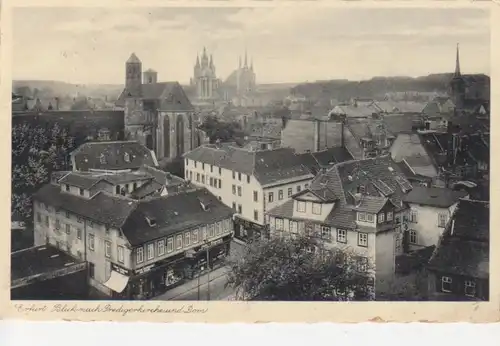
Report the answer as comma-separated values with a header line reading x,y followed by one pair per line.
x,y
216,287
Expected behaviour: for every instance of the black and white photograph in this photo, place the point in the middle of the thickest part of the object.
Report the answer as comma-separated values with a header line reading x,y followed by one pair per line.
x,y
297,154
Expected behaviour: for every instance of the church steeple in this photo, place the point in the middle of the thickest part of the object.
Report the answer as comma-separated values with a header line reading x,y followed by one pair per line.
x,y
197,60
246,59
239,64
251,64
211,61
457,64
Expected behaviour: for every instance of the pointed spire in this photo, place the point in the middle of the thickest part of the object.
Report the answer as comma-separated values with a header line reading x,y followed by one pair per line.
x,y
457,64
211,60
197,60
133,59
204,52
246,60
251,64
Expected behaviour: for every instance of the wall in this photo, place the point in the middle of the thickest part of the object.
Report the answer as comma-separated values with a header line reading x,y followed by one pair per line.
x,y
428,232
385,259
326,208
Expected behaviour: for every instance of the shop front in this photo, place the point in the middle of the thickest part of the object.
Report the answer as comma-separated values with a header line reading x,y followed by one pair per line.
x,y
208,256
249,231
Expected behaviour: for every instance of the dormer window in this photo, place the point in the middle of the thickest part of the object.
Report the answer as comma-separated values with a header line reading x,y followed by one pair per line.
x,y
126,157
151,221
102,159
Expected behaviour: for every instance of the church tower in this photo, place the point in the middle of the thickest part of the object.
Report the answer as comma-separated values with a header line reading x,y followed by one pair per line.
x,y
457,84
133,75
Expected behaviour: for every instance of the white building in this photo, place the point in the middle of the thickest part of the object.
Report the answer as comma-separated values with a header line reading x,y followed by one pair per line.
x,y
430,210
251,182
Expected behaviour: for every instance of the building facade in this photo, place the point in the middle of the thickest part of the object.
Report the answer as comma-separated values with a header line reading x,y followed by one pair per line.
x,y
355,207
250,182
205,79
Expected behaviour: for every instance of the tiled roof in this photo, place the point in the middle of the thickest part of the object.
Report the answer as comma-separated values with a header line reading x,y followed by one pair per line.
x,y
149,189
268,166
464,249
399,122
103,208
284,210
171,95
400,106
371,204
409,174
88,156
359,111
380,177
173,214
332,156
434,196
84,181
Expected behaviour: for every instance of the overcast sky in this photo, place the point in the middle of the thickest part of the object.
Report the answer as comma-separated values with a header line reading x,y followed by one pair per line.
x,y
90,45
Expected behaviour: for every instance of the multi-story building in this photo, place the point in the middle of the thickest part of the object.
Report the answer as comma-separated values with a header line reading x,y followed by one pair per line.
x,y
251,182
459,268
355,206
430,210
139,233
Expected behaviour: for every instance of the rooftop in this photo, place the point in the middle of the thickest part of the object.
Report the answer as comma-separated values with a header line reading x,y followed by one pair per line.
x,y
434,196
36,261
112,155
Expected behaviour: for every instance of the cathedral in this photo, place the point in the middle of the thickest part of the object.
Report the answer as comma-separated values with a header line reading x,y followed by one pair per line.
x,y
157,114
204,79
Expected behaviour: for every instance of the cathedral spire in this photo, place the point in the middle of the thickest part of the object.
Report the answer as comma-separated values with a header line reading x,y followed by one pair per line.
x,y
251,64
246,60
197,60
211,61
239,64
204,52
457,64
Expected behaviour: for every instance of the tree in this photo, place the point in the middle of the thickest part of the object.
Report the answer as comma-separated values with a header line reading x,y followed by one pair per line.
x,y
36,153
286,269
222,131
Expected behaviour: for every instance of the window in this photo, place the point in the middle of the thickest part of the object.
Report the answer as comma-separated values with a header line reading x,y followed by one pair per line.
x,y
103,159
211,231
79,220
117,189
211,168
139,255
106,230
211,183
220,171
81,191
342,236
68,229
298,188
301,207
204,232
239,176
38,217
270,197
120,254
195,164
256,215
446,284
362,264
91,242
58,224
220,183
66,187
161,247
187,162
198,177
279,224
325,232
218,228
290,192
389,216
194,236
68,215
442,220
203,178
234,189
187,239
255,196
150,251
91,270
248,179
226,224
190,175
179,242
126,157
203,166
413,236
280,195
240,209
47,221
362,239
234,206
79,233
170,244
316,208
369,217
91,224
470,288
381,217
239,191
107,249
234,175
413,216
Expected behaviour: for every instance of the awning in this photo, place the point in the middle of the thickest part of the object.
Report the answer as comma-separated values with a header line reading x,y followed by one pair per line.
x,y
117,282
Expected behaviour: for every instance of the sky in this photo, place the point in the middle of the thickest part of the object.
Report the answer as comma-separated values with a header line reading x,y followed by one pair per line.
x,y
287,44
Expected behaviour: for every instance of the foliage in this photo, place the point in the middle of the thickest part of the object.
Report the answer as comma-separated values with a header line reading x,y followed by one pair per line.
x,y
410,287
283,269
222,131
36,153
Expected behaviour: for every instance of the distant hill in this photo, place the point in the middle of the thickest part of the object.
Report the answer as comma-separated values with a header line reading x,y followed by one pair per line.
x,y
50,89
377,87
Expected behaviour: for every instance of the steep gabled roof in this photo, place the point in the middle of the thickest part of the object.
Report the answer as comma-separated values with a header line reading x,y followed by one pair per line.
x,y
434,196
170,94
